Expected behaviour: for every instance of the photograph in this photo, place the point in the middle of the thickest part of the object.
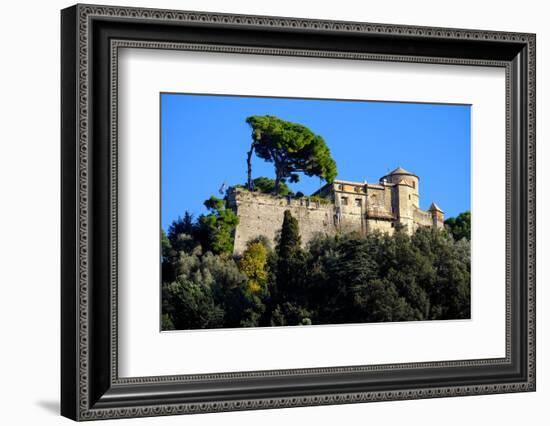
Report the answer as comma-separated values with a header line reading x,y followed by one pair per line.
x,y
312,212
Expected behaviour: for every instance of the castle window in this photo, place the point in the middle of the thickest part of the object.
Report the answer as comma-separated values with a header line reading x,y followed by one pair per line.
x,y
344,201
358,202
409,196
414,184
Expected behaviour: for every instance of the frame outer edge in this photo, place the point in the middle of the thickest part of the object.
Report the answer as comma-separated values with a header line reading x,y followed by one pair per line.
x,y
69,192
531,201
80,340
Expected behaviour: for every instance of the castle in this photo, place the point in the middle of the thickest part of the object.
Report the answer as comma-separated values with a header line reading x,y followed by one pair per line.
x,y
340,206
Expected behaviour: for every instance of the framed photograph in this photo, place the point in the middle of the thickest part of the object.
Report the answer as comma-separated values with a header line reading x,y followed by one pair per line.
x,y
263,212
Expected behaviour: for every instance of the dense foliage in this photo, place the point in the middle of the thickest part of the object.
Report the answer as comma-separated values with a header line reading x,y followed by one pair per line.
x,y
346,278
217,227
266,185
211,232
459,226
291,147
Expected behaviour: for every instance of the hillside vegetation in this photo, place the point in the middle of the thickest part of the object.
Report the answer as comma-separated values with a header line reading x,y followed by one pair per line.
x,y
340,279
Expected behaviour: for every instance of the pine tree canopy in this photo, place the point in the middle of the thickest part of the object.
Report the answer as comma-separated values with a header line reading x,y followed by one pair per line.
x,y
292,148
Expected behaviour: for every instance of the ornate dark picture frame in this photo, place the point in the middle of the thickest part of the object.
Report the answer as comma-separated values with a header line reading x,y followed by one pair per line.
x,y
91,37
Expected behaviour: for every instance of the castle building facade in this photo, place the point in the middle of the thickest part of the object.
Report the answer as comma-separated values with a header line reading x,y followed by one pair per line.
x,y
340,206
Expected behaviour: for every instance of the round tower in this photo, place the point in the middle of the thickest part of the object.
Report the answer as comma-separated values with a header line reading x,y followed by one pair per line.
x,y
400,176
405,195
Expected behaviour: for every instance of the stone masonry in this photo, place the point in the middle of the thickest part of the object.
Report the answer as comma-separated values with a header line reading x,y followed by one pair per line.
x,y
346,207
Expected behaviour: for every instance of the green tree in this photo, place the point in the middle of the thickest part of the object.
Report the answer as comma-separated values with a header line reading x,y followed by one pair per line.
x,y
209,292
267,186
180,226
288,292
450,291
166,246
403,264
290,256
459,226
182,233
167,323
167,258
218,226
388,278
291,147
289,243
190,305
348,285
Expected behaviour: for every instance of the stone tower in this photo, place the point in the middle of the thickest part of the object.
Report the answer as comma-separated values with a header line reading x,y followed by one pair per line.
x,y
437,215
405,197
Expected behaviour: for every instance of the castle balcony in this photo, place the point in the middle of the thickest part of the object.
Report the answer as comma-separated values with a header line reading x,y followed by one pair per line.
x,y
380,214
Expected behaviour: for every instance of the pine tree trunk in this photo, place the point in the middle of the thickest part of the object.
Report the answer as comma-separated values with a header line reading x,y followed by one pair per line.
x,y
249,167
277,180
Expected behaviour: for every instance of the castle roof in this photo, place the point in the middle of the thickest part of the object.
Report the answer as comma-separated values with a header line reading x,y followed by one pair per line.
x,y
399,171
435,207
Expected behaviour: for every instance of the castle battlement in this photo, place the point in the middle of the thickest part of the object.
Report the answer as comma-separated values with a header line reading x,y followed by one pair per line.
x,y
346,207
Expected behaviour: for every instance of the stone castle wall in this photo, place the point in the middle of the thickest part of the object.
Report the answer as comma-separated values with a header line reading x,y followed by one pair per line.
x,y
422,218
262,215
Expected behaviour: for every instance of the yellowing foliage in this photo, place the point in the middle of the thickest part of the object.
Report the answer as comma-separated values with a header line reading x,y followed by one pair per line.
x,y
253,263
254,287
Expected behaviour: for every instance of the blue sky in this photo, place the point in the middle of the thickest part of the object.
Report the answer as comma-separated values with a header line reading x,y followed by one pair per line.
x,y
204,140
